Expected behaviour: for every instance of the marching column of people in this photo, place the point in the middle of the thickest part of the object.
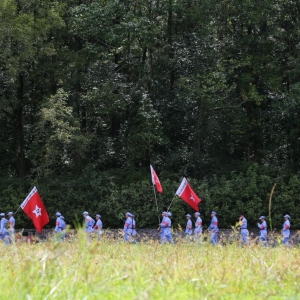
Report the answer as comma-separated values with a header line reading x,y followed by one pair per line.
x,y
7,228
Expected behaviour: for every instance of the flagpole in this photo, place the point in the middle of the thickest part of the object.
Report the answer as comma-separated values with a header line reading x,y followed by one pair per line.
x,y
171,202
17,210
156,204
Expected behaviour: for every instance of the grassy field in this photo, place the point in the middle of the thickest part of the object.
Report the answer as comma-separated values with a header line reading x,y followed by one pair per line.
x,y
84,269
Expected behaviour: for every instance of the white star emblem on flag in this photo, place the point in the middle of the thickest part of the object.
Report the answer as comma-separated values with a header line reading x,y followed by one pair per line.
x,y
192,198
37,211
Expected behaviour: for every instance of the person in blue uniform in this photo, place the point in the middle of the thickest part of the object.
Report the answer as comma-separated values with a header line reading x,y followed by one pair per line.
x,y
11,222
189,225
213,228
11,226
89,222
98,226
159,229
4,235
244,233
263,234
127,227
286,231
198,227
198,224
134,233
58,227
63,226
165,225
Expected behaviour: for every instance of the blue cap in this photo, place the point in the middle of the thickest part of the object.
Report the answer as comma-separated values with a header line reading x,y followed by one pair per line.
x,y
188,215
85,213
98,216
165,213
197,213
128,214
169,214
287,216
2,214
10,213
62,217
213,212
58,214
262,217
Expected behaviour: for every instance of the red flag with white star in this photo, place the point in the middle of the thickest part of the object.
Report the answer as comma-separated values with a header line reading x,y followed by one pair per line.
x,y
186,193
155,180
34,207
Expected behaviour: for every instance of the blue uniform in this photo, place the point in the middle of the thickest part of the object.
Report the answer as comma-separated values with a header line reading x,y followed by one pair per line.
x,y
89,223
162,236
165,226
244,231
58,225
189,227
127,228
286,232
3,231
133,227
63,223
214,230
98,228
198,226
263,232
12,223
63,226
98,224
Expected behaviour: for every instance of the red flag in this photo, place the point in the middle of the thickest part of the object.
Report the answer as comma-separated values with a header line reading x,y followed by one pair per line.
x,y
155,180
186,193
34,208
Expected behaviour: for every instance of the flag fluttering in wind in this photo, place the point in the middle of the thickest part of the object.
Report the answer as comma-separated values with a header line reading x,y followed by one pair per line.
x,y
155,180
186,193
34,207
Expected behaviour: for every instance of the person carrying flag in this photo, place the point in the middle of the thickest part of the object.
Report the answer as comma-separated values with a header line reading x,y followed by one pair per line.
x,y
213,228
34,208
189,226
11,226
165,225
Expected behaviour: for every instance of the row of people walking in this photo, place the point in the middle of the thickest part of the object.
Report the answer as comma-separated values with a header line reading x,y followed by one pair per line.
x,y
165,227
7,227
242,225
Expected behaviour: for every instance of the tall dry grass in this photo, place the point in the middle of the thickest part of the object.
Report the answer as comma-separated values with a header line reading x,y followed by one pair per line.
x,y
87,269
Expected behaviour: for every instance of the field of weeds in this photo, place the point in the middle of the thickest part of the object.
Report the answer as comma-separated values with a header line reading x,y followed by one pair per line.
x,y
84,268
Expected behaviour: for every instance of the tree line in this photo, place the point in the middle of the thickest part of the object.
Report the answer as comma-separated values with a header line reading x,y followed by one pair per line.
x,y
94,91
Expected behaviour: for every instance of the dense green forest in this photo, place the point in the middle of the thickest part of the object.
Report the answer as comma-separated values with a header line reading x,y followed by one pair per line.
x,y
93,92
